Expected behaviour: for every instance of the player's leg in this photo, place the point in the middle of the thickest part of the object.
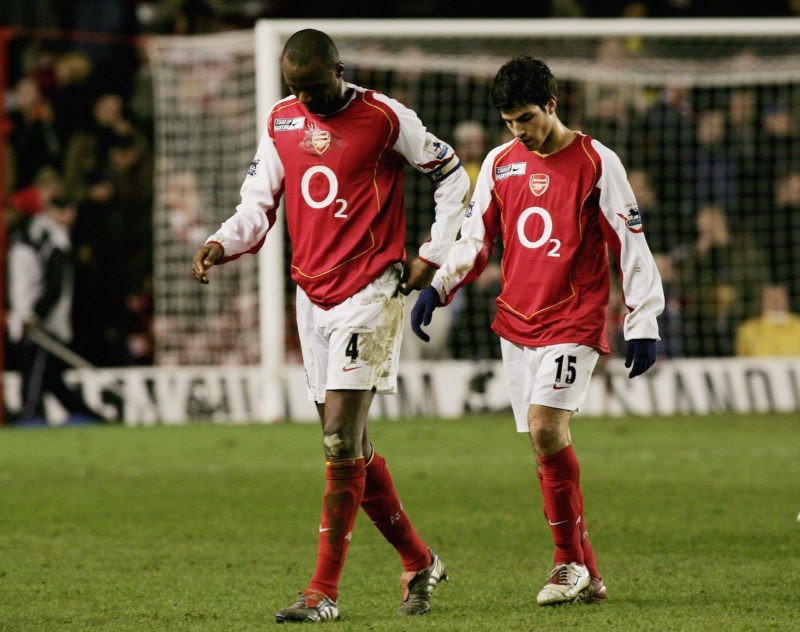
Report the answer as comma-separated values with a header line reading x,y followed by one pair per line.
x,y
33,368
596,591
372,353
559,481
344,419
423,569
344,477
562,381
546,385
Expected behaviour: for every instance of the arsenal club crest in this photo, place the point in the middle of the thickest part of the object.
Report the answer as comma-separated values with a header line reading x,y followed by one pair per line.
x,y
321,140
539,183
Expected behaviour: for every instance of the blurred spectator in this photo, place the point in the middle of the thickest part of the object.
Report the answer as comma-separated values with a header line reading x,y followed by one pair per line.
x,y
608,107
88,148
40,294
782,228
714,179
73,93
130,164
718,278
742,139
775,331
659,224
470,141
34,139
184,205
115,59
32,199
99,306
670,321
777,150
663,139
139,343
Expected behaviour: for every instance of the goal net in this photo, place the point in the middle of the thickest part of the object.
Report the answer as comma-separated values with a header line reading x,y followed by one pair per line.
x,y
205,126
703,113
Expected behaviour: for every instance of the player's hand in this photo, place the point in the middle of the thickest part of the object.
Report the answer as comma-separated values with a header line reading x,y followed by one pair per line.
x,y
640,355
422,312
205,257
417,274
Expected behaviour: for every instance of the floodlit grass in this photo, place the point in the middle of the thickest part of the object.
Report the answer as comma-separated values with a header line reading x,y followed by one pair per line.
x,y
208,527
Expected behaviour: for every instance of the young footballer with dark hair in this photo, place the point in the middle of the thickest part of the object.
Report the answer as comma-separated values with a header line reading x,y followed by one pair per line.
x,y
559,200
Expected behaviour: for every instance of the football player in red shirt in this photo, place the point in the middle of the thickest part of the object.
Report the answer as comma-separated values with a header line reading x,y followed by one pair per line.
x,y
559,200
335,152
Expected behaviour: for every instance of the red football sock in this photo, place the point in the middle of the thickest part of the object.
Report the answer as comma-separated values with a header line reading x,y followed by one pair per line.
x,y
343,492
589,558
561,497
384,508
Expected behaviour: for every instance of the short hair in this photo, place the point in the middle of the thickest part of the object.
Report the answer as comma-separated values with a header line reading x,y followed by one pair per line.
x,y
523,80
309,44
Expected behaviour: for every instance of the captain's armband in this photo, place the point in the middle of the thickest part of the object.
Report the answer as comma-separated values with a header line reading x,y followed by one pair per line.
x,y
444,170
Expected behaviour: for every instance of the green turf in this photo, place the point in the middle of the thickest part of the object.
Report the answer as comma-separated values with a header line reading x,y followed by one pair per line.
x,y
209,527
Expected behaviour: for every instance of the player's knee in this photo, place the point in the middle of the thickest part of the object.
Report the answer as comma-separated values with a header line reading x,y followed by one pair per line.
x,y
339,446
545,438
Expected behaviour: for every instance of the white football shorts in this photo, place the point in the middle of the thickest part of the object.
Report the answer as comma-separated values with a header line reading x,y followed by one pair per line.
x,y
355,345
555,375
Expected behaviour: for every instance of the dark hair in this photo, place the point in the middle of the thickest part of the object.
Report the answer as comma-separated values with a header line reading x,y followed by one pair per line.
x,y
62,201
523,80
309,44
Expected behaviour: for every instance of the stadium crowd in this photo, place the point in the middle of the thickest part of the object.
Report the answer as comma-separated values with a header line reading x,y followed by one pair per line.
x,y
721,209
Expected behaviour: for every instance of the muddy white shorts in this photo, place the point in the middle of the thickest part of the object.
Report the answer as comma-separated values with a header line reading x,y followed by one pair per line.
x,y
556,376
355,345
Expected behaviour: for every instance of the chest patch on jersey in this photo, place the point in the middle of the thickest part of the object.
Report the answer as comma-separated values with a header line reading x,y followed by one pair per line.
x,y
289,124
316,140
514,169
539,183
632,218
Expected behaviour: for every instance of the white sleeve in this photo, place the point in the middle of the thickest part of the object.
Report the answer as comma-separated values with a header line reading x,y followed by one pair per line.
x,y
641,281
261,190
436,159
465,254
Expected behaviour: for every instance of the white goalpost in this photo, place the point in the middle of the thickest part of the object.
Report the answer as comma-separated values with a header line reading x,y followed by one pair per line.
x,y
212,97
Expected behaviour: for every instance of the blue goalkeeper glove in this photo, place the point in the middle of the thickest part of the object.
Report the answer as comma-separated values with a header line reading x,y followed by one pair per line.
x,y
641,353
422,312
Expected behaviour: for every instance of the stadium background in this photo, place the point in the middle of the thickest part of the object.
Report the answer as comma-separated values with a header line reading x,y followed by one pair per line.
x,y
181,155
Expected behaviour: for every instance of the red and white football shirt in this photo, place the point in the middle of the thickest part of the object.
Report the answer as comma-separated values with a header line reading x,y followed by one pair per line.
x,y
558,215
342,179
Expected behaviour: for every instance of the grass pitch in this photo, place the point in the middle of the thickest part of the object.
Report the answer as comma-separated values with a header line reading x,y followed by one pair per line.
x,y
208,527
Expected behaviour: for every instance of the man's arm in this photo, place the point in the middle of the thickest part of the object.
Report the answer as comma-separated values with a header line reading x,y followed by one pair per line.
x,y
436,159
641,282
245,231
468,256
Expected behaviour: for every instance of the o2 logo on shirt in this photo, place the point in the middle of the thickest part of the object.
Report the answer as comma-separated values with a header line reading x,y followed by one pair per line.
x,y
333,189
547,231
